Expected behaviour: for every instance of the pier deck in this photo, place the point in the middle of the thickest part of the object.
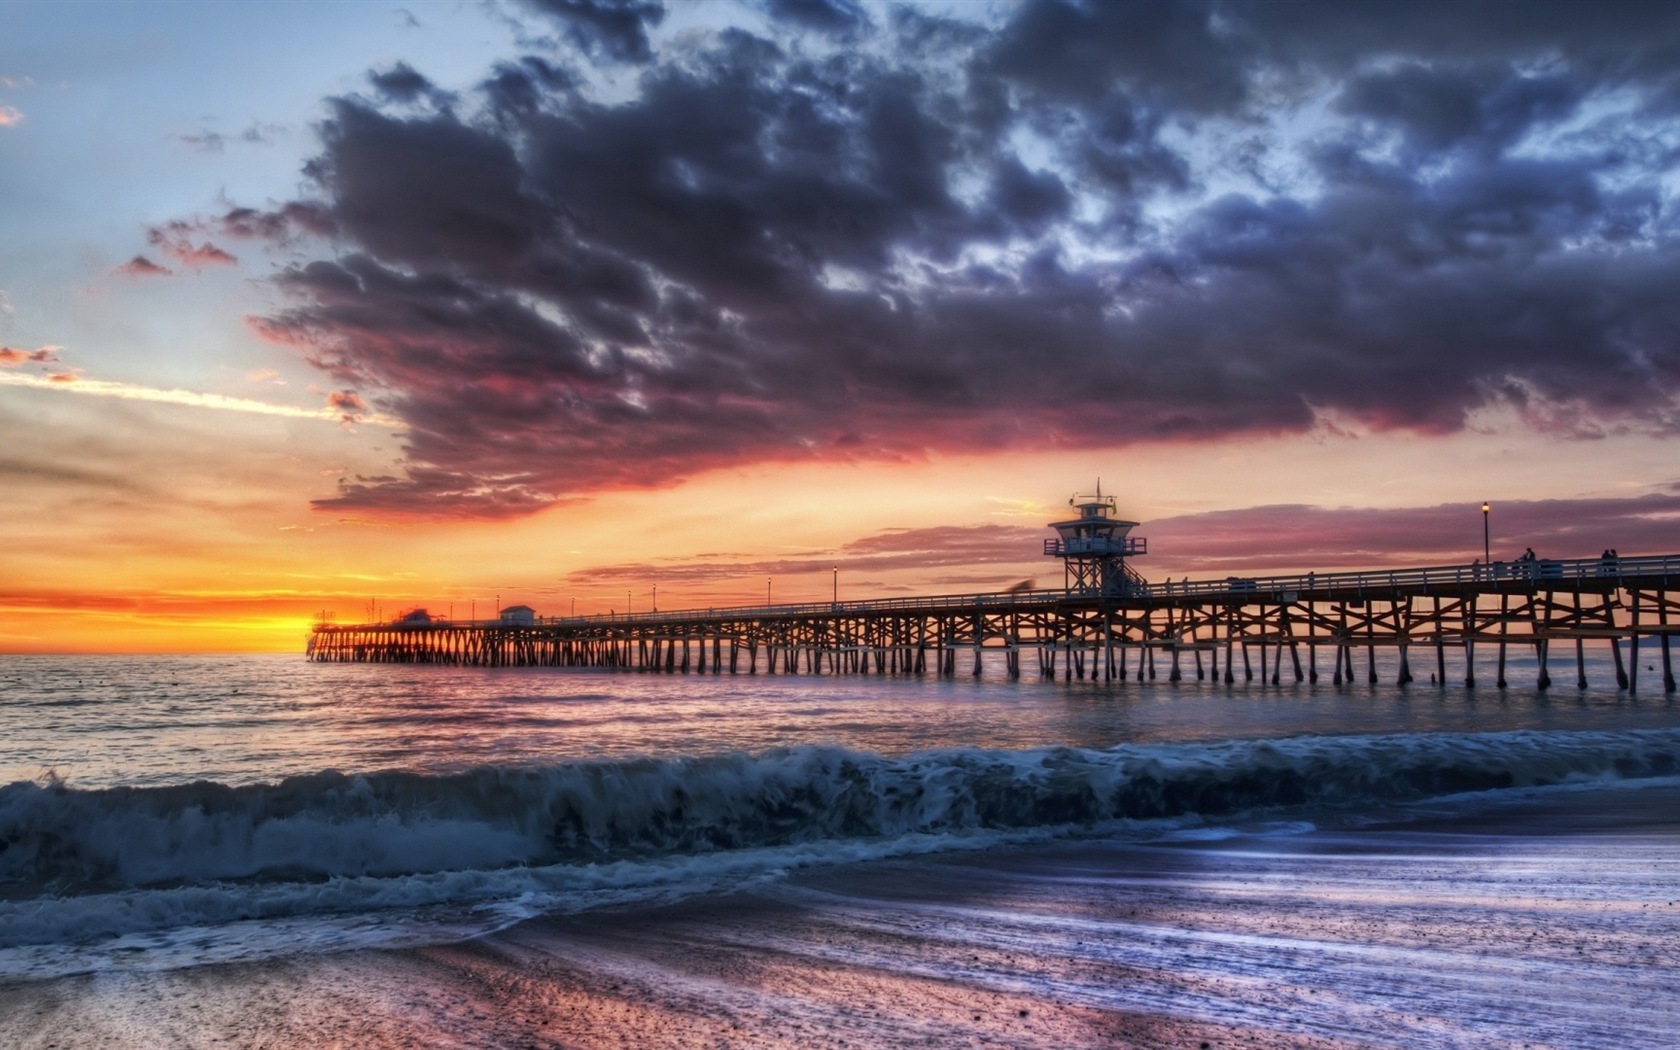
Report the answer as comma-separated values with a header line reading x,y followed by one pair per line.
x,y
1435,609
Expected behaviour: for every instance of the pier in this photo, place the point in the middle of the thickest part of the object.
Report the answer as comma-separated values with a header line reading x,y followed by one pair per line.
x,y
1108,623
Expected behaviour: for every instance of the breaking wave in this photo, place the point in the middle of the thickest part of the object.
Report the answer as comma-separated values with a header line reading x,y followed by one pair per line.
x,y
145,858
395,823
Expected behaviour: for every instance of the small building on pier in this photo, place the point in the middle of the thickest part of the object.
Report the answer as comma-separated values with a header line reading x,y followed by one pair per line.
x,y
518,616
1094,547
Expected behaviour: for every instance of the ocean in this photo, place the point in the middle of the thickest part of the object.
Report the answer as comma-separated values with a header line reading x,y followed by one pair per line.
x,y
260,851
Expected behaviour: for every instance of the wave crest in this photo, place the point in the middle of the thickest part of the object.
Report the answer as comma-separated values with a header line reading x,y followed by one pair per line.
x,y
330,824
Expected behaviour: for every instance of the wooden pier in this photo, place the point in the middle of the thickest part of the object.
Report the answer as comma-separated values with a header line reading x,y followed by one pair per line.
x,y
1282,628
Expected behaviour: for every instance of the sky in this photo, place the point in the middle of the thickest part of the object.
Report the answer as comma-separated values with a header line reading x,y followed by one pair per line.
x,y
340,309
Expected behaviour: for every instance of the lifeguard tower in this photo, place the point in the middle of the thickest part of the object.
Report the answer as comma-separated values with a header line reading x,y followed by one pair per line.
x,y
1093,548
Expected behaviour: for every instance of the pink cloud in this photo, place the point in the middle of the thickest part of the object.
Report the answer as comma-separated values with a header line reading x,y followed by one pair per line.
x,y
10,117
173,239
140,266
1290,537
891,550
199,256
1250,541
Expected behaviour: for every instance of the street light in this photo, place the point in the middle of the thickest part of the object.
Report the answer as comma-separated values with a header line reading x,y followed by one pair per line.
x,y
837,585
767,580
656,597
1487,559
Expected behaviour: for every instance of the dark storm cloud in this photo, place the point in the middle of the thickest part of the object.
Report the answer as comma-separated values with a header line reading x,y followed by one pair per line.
x,y
1071,229
614,29
839,17
401,83
519,89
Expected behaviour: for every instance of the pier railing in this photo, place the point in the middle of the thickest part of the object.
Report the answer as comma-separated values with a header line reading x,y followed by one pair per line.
x,y
1436,579
1539,571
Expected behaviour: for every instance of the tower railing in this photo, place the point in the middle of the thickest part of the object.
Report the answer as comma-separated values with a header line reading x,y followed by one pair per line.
x,y
1096,545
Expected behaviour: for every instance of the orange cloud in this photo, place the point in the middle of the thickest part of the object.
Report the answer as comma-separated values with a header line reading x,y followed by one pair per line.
x,y
10,117
11,355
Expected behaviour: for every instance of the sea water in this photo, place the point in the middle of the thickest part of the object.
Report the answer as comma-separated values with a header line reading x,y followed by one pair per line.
x,y
590,858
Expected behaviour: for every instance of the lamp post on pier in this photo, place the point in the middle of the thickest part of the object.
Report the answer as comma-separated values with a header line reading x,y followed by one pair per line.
x,y
1487,558
767,580
656,597
837,585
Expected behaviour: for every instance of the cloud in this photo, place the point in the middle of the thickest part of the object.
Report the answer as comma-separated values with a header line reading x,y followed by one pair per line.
x,y
72,381
140,266
34,471
1249,541
10,117
1035,232
891,550
348,404
1294,537
173,239
205,141
11,355
281,225
837,17
615,30
209,140
401,83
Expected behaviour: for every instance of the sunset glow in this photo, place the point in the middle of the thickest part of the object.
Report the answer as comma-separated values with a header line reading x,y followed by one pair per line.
x,y
515,302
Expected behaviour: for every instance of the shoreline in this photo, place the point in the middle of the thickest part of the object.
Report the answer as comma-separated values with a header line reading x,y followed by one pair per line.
x,y
1377,931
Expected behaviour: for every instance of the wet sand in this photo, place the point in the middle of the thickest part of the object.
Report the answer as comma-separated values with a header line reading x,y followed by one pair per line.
x,y
1549,921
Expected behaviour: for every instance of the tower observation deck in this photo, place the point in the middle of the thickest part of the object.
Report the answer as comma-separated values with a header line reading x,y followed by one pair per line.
x,y
1094,547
